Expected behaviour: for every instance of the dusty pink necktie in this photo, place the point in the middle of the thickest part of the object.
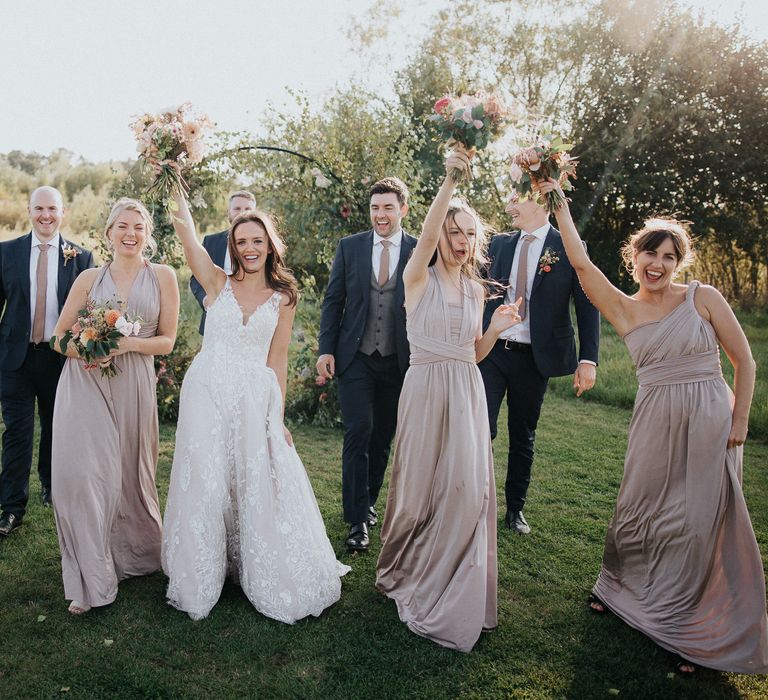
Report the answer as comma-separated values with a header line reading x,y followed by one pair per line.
x,y
522,274
384,263
38,323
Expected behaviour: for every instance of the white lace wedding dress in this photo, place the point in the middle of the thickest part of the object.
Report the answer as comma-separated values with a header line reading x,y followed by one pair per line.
x,y
240,502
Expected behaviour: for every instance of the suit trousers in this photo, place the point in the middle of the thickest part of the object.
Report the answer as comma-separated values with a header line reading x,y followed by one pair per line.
x,y
509,369
369,390
36,379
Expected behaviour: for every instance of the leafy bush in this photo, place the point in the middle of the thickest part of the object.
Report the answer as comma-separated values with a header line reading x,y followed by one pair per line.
x,y
309,398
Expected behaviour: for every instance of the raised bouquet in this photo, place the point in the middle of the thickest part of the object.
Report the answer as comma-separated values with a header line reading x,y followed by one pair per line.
x,y
170,142
96,333
547,158
470,121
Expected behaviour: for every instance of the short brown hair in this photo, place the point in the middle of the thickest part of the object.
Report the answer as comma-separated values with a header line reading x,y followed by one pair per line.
x,y
654,232
391,184
243,193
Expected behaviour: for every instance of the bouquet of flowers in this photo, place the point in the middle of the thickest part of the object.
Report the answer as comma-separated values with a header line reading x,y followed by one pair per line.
x,y
170,142
471,121
547,158
96,333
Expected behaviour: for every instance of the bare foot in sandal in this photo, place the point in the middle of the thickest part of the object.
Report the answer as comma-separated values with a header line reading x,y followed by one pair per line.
x,y
683,667
78,608
596,605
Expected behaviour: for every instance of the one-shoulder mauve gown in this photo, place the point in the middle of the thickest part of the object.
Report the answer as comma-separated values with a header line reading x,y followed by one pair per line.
x,y
681,562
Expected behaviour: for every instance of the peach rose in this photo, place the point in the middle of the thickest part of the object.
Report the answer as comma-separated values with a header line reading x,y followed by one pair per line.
x,y
493,106
111,317
88,334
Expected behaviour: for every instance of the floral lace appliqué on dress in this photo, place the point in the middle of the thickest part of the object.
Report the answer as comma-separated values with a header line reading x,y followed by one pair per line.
x,y
240,502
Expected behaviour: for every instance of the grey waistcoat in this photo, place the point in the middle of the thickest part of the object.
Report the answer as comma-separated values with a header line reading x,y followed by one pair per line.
x,y
380,322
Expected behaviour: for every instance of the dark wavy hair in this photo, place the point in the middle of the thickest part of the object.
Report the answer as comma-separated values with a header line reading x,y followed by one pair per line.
x,y
279,277
654,232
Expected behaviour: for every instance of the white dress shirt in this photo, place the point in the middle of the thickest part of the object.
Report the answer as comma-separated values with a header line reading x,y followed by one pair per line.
x,y
394,251
52,293
227,267
521,333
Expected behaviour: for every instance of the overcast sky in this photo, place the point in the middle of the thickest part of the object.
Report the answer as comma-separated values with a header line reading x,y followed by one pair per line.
x,y
72,73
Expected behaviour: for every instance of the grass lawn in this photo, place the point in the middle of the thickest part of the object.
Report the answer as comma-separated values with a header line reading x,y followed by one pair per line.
x,y
547,644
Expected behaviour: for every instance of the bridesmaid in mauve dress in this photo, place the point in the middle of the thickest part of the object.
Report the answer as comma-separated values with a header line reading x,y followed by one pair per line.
x,y
438,555
681,563
105,429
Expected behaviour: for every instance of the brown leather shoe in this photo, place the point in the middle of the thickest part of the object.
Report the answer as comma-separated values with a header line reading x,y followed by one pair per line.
x,y
357,540
8,523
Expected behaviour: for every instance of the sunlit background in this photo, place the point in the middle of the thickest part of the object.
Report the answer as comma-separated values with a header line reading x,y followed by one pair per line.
x,y
74,73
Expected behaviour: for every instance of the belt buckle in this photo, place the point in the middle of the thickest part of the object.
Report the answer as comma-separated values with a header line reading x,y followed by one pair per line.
x,y
507,342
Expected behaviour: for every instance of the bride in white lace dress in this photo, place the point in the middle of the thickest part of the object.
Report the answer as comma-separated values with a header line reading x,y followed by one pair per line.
x,y
240,502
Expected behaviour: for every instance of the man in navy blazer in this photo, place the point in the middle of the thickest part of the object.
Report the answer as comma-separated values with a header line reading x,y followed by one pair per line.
x,y
364,344
532,264
217,245
29,368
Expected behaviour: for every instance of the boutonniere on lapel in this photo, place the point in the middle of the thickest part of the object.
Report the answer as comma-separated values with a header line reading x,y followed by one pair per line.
x,y
548,258
69,252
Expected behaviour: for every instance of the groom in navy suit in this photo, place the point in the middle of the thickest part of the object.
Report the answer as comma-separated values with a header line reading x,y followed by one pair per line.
x,y
217,246
36,273
364,344
532,264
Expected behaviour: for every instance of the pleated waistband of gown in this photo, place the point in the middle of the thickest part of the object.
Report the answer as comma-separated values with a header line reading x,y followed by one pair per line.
x,y
681,370
425,350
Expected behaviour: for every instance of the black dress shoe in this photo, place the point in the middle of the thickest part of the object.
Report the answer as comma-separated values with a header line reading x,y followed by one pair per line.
x,y
8,523
357,540
373,517
45,497
515,521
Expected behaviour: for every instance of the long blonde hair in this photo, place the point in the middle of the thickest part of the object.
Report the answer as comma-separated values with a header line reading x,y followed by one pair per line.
x,y
478,258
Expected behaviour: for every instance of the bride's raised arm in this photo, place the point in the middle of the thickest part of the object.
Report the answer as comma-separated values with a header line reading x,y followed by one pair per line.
x,y
210,276
415,272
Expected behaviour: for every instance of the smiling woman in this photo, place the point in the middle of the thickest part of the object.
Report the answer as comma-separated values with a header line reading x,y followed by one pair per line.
x,y
255,247
240,502
681,563
104,495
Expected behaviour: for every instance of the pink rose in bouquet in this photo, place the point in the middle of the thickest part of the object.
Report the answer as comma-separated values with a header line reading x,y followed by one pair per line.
x,y
469,122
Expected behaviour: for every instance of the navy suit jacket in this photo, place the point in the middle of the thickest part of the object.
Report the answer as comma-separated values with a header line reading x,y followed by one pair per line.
x,y
15,305
216,245
345,306
552,335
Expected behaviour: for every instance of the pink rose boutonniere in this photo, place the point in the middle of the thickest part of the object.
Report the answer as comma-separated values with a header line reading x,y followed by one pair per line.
x,y
69,252
547,260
